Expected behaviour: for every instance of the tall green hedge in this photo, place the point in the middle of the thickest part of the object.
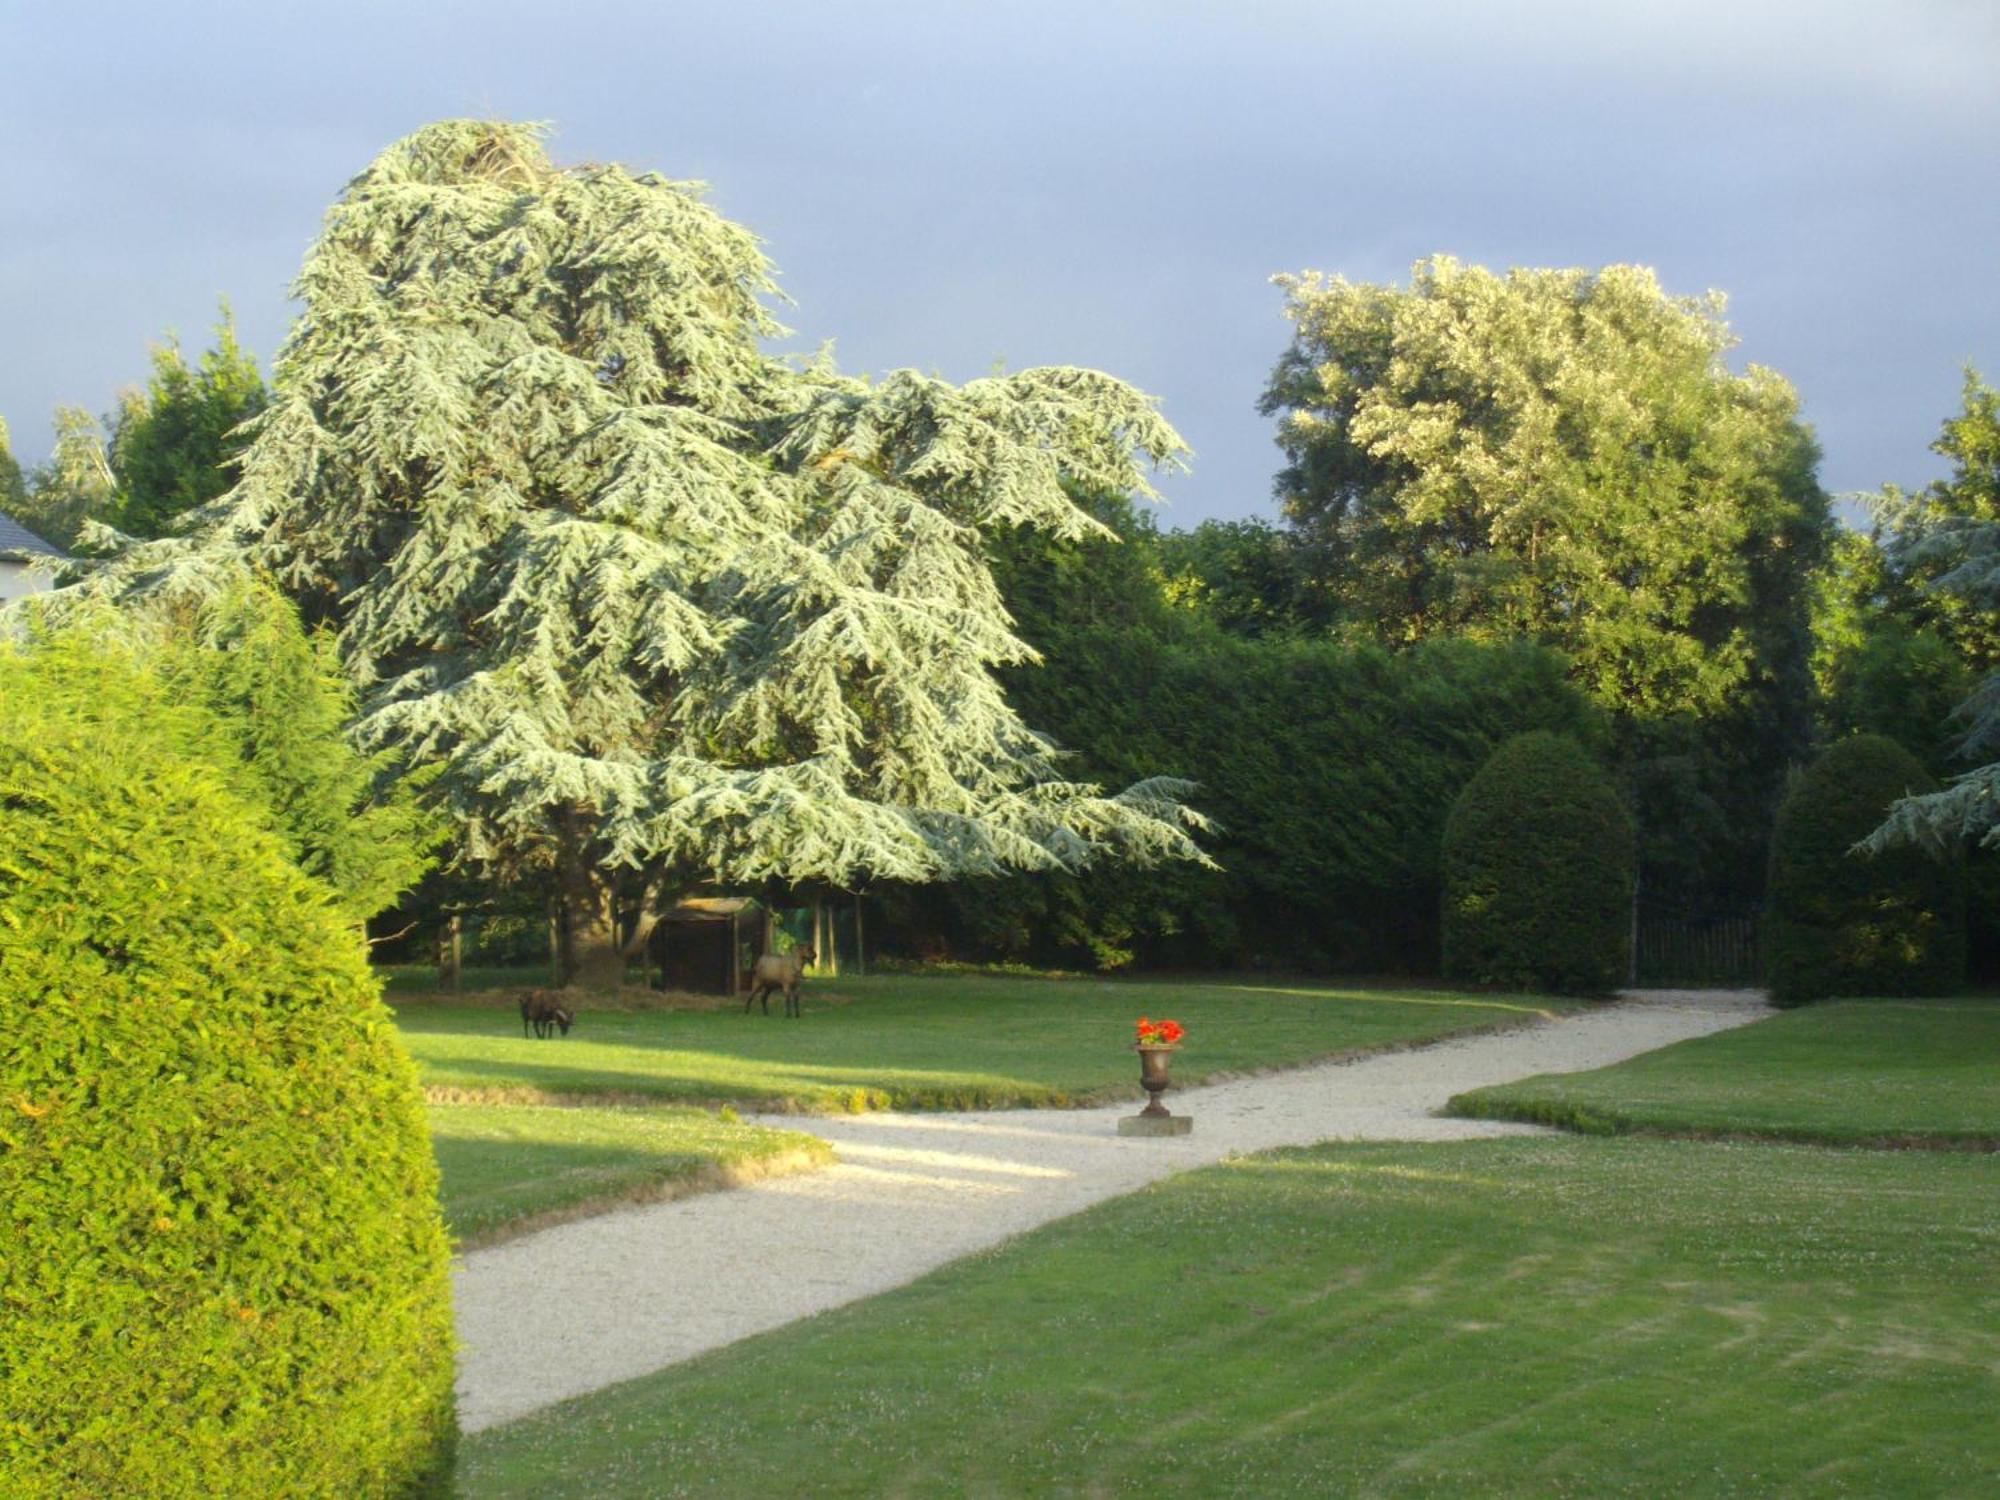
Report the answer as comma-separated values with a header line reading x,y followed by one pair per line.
x,y
223,1271
1852,924
1328,768
1538,866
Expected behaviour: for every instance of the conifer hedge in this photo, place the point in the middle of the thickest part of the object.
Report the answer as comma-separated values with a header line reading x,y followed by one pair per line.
x,y
1843,923
1538,865
224,1271
1328,768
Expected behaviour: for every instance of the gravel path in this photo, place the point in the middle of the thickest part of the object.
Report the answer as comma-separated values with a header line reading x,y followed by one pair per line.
x,y
589,1304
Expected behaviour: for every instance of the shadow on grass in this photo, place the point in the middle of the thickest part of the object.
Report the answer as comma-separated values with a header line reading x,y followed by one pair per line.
x,y
978,1044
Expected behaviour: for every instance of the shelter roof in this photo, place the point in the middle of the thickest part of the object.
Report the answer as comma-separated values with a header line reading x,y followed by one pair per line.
x,y
709,908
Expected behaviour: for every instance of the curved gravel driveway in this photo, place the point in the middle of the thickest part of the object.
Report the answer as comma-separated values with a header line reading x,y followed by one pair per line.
x,y
589,1304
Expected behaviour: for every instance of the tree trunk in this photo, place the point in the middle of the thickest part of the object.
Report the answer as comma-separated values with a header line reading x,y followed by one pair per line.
x,y
596,957
652,902
449,951
592,955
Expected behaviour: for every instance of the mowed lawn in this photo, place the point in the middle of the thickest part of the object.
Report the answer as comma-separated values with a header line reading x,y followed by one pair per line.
x,y
506,1168
1919,1072
1524,1317
925,1043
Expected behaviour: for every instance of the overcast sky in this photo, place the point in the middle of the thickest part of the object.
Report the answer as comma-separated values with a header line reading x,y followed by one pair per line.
x,y
1112,184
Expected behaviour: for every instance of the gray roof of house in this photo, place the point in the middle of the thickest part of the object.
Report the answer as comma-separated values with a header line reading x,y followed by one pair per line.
x,y
17,543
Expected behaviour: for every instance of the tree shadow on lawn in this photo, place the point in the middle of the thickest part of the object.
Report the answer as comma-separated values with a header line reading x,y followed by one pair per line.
x,y
893,1048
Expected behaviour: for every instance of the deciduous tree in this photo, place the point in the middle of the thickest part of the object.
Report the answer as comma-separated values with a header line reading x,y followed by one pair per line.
x,y
174,445
13,483
1564,455
1945,542
75,487
1557,454
1250,577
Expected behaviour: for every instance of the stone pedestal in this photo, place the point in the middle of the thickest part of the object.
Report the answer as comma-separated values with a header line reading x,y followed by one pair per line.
x,y
1156,1125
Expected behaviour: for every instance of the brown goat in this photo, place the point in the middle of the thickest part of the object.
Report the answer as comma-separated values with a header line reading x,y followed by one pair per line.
x,y
778,971
545,1011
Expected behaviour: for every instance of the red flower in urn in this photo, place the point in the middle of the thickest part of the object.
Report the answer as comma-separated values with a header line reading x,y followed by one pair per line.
x,y
1160,1033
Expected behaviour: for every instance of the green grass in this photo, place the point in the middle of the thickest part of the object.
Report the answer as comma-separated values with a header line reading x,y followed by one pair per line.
x,y
1848,1072
1533,1317
419,981
509,1168
924,1042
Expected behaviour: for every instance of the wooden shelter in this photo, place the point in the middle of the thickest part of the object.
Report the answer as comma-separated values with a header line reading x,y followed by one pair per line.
x,y
700,945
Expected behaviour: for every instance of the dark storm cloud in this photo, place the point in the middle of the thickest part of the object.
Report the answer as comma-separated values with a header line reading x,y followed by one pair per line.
x,y
949,185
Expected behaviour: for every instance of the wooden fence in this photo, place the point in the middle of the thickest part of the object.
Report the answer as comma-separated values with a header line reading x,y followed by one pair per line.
x,y
1715,952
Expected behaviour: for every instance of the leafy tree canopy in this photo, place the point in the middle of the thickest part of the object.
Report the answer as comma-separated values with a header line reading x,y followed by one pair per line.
x,y
1935,540
649,599
174,446
167,449
1250,577
1944,542
1881,663
75,487
235,683
1559,454
1055,586
13,483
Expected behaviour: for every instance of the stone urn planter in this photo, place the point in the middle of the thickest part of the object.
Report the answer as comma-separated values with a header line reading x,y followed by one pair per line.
x,y
1157,1044
1154,1063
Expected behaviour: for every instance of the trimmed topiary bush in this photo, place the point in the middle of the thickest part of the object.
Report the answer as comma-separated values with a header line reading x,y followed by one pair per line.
x,y
1538,868
1856,924
224,1271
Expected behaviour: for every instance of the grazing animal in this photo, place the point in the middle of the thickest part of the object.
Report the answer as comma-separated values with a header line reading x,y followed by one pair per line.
x,y
778,971
545,1011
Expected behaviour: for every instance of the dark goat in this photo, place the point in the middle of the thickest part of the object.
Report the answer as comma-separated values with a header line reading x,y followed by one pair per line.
x,y
545,1011
778,971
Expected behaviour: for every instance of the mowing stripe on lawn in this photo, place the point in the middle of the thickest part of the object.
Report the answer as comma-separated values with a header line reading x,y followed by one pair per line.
x,y
1517,1317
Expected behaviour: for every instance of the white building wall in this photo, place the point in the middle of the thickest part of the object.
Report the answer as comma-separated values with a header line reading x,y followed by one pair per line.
x,y
18,579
